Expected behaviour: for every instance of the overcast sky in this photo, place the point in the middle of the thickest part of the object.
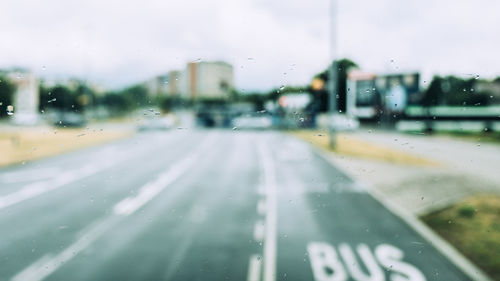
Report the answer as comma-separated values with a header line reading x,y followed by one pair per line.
x,y
117,43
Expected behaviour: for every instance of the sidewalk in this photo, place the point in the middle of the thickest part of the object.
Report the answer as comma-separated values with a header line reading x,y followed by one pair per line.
x,y
464,168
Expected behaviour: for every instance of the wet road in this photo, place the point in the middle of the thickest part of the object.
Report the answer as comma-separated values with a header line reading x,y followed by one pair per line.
x,y
202,205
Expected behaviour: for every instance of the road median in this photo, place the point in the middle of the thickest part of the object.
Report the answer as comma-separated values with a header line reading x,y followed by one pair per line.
x,y
25,144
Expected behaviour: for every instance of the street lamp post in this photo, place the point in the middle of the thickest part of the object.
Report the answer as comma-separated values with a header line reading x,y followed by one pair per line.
x,y
333,96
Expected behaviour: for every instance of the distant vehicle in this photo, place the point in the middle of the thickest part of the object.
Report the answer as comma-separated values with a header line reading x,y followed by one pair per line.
x,y
69,119
253,122
156,123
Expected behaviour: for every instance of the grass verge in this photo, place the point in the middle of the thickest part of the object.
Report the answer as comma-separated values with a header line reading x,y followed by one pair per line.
x,y
29,144
473,227
349,145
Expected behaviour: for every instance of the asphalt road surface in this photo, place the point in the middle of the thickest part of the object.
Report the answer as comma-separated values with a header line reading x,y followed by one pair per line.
x,y
202,205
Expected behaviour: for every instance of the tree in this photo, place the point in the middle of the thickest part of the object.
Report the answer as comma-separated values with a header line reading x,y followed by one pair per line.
x,y
321,96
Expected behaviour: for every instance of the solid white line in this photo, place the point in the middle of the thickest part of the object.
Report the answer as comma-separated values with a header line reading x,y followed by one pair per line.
x,y
48,264
254,268
38,188
147,192
261,206
270,243
29,175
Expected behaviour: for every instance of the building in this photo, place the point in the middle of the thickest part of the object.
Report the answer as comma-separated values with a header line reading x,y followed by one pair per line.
x,y
157,86
26,97
207,80
164,85
369,94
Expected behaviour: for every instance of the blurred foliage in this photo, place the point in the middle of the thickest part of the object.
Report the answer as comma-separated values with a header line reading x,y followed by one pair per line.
x,y
73,97
321,96
452,90
123,101
6,95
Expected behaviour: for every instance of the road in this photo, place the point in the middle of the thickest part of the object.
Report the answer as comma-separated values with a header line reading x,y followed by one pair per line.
x,y
202,205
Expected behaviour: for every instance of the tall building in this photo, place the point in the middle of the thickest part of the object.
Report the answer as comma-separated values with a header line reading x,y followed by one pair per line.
x,y
213,80
26,96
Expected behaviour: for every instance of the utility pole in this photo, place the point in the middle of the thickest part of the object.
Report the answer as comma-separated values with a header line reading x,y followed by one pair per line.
x,y
333,95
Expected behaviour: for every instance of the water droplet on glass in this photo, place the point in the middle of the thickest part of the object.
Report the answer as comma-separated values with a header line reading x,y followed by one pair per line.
x,y
477,76
52,100
301,119
282,87
235,128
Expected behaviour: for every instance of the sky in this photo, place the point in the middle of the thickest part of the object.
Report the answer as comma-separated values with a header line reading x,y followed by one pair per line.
x,y
116,43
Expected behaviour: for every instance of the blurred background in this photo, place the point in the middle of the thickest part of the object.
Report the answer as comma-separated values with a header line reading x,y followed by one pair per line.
x,y
402,99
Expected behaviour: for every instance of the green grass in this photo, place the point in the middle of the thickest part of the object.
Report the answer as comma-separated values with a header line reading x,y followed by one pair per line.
x,y
492,137
473,227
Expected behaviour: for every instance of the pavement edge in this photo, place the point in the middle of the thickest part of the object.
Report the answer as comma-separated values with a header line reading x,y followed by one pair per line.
x,y
445,248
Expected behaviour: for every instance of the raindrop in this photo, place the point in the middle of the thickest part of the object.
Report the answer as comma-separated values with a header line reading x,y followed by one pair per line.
x,y
369,131
301,119
10,109
282,87
234,128
477,77
52,100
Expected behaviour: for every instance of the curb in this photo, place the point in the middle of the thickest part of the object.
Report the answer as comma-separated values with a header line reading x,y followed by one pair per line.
x,y
445,248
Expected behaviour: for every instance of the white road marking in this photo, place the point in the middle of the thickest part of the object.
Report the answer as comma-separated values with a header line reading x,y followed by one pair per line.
x,y
38,188
33,174
48,264
254,267
258,231
147,192
261,206
271,212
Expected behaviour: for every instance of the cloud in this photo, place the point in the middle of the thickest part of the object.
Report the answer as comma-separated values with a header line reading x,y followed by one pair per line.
x,y
116,43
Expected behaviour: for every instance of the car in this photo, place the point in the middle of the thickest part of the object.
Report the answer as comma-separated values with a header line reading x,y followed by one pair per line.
x,y
156,123
69,119
252,122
